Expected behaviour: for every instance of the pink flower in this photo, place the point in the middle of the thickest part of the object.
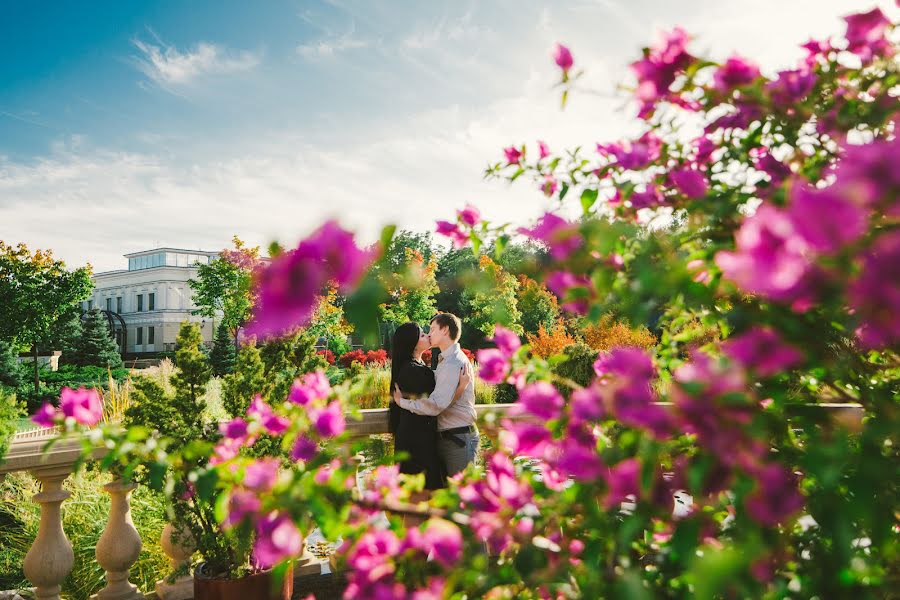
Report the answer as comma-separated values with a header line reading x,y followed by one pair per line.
x,y
311,387
329,422
875,293
634,155
774,168
277,539
574,290
657,71
83,405
507,341
771,258
304,449
629,374
443,539
549,185
587,404
866,34
262,412
45,416
791,87
454,232
562,57
775,497
469,215
541,399
525,438
560,236
235,429
241,504
825,219
577,458
648,197
492,366
690,182
225,450
736,71
623,481
513,155
262,474
543,150
762,350
289,286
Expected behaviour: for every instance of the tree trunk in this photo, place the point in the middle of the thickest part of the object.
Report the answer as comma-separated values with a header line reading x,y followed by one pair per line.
x,y
37,379
237,331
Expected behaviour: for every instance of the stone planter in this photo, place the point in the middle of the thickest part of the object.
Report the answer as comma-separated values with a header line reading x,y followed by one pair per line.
x,y
257,586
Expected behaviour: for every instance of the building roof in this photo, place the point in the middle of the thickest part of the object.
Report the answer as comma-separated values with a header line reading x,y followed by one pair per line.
x,y
168,249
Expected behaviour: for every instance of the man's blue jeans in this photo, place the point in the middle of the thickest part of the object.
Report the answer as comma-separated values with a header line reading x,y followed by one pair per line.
x,y
456,457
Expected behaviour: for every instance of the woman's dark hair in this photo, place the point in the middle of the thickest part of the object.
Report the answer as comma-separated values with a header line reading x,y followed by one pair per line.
x,y
402,345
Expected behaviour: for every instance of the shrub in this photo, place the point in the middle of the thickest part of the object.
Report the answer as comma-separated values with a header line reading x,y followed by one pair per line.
x,y
376,357
348,358
607,334
223,355
328,355
95,345
578,365
548,343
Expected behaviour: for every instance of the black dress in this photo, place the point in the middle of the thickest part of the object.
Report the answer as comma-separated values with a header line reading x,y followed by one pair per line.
x,y
416,435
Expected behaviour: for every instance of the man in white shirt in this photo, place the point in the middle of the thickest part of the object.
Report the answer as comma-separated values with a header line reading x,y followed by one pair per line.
x,y
457,434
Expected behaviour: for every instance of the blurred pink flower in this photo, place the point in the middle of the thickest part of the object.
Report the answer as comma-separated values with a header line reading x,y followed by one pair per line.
x,y
45,415
329,422
543,150
561,236
469,215
443,540
562,57
513,155
541,399
453,231
762,350
83,405
304,448
261,475
690,182
277,539
736,71
492,365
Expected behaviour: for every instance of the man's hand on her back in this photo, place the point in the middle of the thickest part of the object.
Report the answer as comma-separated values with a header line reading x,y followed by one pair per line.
x,y
398,395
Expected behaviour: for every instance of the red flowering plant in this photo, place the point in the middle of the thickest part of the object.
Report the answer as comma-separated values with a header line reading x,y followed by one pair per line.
x,y
713,470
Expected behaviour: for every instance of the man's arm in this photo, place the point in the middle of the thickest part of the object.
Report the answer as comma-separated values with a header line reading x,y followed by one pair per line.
x,y
446,377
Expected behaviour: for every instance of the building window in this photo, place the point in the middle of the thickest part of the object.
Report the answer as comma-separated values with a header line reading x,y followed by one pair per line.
x,y
90,305
151,301
151,335
109,304
139,336
140,302
119,304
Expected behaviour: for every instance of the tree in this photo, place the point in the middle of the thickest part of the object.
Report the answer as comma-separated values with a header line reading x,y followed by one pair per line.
x,y
192,373
224,287
548,342
65,333
608,333
35,290
10,374
396,257
95,345
537,304
328,320
222,357
412,288
489,300
247,380
455,268
285,359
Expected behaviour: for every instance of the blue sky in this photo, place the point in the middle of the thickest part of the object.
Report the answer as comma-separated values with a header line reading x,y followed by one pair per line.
x,y
124,125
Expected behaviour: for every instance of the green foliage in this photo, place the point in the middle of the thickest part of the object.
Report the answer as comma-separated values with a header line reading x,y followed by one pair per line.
x,y
10,373
328,320
412,288
537,304
224,287
10,412
491,299
64,334
285,359
578,365
396,257
35,290
191,374
96,346
247,380
222,357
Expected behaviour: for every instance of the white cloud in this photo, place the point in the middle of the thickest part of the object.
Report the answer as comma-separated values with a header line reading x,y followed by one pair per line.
x,y
168,66
332,44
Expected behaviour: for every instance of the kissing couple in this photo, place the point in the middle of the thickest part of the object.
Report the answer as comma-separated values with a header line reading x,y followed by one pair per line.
x,y
432,414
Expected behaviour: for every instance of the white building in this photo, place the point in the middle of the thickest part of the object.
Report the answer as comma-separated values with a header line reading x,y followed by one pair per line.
x,y
152,297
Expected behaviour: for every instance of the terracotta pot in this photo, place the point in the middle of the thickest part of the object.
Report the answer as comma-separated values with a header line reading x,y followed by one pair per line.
x,y
258,585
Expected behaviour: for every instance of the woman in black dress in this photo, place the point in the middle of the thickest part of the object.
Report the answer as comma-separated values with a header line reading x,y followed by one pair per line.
x,y
415,435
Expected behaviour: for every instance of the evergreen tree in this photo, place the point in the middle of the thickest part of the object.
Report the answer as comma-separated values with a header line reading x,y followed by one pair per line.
x,y
192,373
491,299
150,407
222,357
247,380
285,359
64,335
95,345
10,374
538,305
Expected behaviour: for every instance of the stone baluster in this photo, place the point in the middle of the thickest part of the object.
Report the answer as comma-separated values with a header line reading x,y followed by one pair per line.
x,y
50,557
179,546
119,545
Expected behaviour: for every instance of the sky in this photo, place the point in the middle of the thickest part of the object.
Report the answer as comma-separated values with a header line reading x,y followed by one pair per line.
x,y
126,126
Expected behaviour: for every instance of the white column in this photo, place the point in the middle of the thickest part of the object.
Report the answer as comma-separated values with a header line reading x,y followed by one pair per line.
x,y
179,546
119,546
50,558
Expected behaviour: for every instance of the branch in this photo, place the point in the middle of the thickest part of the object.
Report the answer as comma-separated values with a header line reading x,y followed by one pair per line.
x,y
413,510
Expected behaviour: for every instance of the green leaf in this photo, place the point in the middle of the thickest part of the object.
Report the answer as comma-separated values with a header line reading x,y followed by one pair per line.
x,y
588,198
387,235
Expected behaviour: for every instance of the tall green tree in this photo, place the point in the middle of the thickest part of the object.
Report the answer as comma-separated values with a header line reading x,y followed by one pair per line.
x,y
456,268
95,345
396,256
10,374
192,373
35,290
222,357
224,288
247,380
285,359
538,305
412,289
328,320
490,299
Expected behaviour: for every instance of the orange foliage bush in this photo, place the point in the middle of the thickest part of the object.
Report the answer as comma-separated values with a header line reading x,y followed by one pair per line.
x,y
547,343
608,334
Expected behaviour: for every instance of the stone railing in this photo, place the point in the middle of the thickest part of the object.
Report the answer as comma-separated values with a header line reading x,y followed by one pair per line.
x,y
51,558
